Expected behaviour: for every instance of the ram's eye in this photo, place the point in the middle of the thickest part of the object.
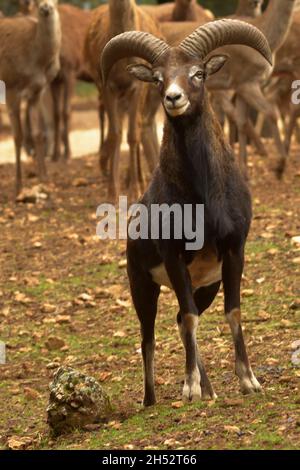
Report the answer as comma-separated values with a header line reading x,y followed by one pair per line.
x,y
198,75
158,80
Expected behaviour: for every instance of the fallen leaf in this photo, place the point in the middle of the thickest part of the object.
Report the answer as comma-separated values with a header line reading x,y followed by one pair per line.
x,y
32,218
123,303
18,443
103,376
233,402
272,361
119,334
31,394
22,298
295,241
37,245
122,263
273,251
247,292
80,182
295,345
232,429
54,342
48,308
85,297
63,319
177,404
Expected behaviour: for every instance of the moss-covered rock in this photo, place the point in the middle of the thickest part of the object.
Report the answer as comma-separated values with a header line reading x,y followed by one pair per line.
x,y
76,400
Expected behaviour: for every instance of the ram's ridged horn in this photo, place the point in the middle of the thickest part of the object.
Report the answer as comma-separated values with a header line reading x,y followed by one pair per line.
x,y
131,44
220,33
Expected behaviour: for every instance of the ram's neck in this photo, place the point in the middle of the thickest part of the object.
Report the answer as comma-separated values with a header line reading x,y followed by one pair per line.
x,y
194,154
123,16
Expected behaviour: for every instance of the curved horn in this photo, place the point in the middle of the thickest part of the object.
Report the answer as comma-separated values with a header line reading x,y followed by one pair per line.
x,y
219,33
131,44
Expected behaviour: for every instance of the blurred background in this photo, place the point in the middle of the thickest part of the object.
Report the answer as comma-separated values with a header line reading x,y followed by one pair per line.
x,y
227,7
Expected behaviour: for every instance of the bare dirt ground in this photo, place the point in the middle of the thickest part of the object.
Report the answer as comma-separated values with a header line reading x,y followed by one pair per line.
x,y
49,256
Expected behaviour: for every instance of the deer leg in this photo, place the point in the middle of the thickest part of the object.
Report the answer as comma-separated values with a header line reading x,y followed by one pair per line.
x,y
28,142
232,273
103,149
242,118
294,114
297,132
14,109
114,141
56,90
133,139
149,130
145,295
255,138
253,95
47,119
37,134
67,95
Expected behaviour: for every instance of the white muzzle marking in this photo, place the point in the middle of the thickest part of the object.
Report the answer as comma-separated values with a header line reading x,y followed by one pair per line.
x,y
180,103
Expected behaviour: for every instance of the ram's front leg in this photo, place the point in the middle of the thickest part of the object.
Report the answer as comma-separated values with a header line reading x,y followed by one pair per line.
x,y
181,282
232,274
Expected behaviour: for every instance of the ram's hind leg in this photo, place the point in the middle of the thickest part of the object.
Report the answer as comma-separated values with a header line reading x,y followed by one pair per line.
x,y
232,274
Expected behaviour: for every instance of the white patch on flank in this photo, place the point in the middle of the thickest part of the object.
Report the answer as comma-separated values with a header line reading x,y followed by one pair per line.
x,y
203,279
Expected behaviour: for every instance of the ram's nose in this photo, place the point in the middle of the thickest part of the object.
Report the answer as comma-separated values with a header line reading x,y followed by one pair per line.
x,y
173,98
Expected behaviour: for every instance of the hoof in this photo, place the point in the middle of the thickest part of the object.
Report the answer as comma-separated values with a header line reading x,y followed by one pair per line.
x,y
208,396
279,169
250,385
149,401
191,393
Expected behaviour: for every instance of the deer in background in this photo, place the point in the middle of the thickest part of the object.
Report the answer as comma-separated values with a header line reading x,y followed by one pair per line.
x,y
122,95
29,61
27,7
74,26
180,10
174,34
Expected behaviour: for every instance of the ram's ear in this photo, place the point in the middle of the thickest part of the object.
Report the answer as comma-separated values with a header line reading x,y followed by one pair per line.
x,y
215,63
141,71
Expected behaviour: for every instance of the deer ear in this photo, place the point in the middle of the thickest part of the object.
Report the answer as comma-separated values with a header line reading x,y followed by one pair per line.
x,y
215,63
141,71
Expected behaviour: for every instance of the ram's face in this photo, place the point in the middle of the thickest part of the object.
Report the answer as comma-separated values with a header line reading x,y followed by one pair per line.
x,y
180,81
180,88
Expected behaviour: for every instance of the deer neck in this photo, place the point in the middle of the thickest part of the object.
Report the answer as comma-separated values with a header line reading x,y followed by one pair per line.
x,y
48,36
244,9
275,22
184,13
123,14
